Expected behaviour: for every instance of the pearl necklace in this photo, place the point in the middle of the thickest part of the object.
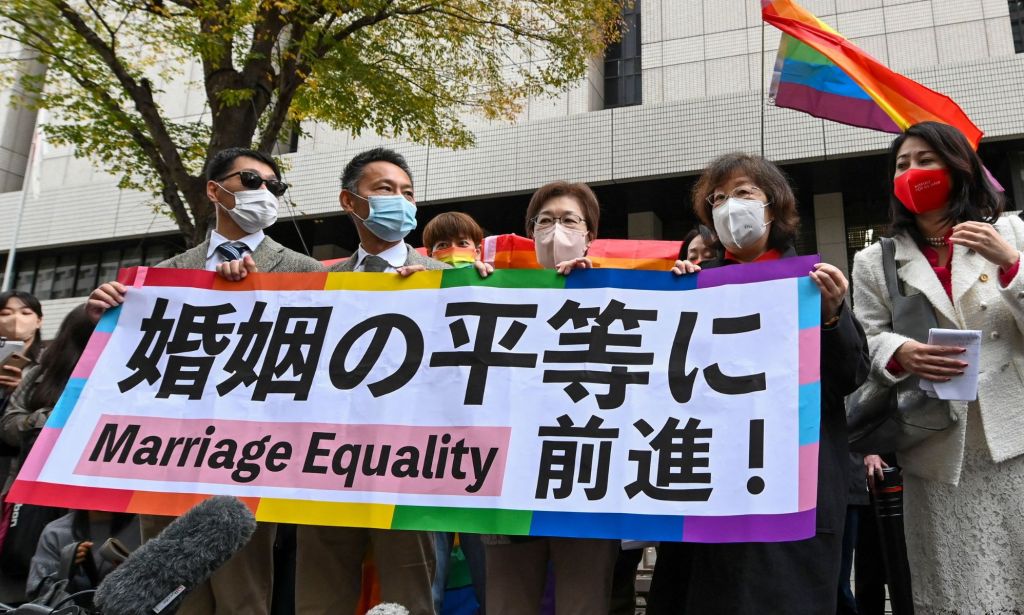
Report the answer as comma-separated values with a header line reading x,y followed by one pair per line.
x,y
937,242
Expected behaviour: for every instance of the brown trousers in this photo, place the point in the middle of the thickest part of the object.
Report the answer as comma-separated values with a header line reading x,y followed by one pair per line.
x,y
329,568
517,572
242,586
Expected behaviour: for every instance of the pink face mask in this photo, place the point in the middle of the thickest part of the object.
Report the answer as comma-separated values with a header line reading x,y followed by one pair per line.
x,y
558,244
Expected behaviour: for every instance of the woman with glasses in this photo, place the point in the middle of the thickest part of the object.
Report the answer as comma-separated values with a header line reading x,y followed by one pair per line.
x,y
752,208
562,219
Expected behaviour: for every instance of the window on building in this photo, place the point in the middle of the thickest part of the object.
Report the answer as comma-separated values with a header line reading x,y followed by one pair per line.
x,y
44,278
623,78
64,276
25,278
110,262
71,272
88,268
1017,24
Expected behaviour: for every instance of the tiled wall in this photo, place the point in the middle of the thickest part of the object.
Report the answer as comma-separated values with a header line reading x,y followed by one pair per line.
x,y
702,81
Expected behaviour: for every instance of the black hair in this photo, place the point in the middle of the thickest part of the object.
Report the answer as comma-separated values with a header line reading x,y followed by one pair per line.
x,y
60,358
706,235
33,304
81,528
220,163
354,169
972,197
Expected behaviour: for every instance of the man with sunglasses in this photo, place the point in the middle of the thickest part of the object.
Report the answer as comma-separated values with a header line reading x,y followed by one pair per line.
x,y
243,186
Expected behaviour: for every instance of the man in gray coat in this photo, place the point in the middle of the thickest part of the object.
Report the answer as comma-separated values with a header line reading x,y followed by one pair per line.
x,y
377,194
243,185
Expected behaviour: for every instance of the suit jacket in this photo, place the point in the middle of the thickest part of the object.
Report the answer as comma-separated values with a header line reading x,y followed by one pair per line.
x,y
979,302
412,258
270,257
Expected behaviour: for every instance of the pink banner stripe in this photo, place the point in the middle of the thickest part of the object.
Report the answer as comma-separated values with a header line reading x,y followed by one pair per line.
x,y
92,353
40,452
810,355
441,460
808,497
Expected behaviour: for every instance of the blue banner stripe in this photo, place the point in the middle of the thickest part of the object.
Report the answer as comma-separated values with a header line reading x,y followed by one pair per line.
x,y
109,320
606,525
809,303
631,279
810,413
66,403
823,78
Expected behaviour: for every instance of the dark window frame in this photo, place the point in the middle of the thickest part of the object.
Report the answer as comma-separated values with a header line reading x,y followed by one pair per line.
x,y
623,65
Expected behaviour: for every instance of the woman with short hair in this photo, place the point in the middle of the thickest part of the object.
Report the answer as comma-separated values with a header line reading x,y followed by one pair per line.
x,y
750,204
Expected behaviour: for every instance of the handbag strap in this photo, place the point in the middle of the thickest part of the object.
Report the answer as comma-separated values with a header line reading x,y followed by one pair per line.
x,y
911,315
66,570
889,267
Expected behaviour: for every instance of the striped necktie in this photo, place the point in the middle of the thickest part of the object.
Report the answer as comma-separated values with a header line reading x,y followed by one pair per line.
x,y
232,251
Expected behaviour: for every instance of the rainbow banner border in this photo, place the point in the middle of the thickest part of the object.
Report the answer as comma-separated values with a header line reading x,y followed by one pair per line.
x,y
763,528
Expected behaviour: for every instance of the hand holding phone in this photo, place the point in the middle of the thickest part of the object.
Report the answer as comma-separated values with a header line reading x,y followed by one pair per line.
x,y
10,369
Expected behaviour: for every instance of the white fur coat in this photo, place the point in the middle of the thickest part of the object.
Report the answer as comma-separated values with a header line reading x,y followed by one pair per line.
x,y
979,302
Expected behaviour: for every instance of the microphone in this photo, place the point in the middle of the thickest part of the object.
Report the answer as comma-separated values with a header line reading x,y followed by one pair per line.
x,y
157,576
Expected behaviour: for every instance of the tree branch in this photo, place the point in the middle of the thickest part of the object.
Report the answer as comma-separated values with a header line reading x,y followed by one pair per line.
x,y
139,92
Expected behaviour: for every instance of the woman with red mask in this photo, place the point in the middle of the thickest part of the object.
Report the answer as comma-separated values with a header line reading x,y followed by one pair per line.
x,y
963,486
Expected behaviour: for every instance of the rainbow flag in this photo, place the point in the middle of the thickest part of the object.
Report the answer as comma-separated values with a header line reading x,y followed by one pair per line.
x,y
821,73
514,252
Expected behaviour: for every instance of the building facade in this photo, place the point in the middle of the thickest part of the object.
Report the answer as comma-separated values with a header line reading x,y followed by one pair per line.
x,y
688,82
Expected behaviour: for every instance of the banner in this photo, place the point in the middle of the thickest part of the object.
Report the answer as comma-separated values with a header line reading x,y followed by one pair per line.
x,y
607,403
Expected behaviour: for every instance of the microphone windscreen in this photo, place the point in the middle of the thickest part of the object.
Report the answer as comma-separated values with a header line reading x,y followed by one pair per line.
x,y
161,572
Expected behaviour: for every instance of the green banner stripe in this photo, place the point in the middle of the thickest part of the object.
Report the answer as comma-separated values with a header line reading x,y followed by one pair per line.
x,y
473,520
509,278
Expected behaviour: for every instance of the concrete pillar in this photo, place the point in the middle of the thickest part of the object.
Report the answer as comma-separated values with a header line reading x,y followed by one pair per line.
x,y
644,225
830,229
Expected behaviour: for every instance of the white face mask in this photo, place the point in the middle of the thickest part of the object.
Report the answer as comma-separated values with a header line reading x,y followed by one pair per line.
x,y
558,244
739,223
254,210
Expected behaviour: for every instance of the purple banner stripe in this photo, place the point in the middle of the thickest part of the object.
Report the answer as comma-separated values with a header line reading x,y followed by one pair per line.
x,y
842,109
757,272
751,528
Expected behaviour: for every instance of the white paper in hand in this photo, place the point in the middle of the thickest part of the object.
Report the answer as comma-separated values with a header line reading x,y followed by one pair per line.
x,y
965,386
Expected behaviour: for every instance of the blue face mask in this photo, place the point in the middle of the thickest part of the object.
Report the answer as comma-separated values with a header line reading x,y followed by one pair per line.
x,y
391,218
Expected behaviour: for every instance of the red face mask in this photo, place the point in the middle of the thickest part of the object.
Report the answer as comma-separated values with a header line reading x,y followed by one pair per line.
x,y
922,190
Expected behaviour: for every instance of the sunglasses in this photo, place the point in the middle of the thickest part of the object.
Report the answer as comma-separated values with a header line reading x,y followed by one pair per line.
x,y
253,180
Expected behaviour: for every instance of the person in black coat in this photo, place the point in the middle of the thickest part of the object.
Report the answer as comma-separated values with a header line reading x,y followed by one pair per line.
x,y
753,210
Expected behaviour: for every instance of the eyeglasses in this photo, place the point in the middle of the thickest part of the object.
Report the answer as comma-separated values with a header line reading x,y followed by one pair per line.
x,y
253,180
740,192
569,221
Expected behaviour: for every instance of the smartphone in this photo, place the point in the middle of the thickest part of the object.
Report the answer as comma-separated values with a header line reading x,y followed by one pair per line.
x,y
15,360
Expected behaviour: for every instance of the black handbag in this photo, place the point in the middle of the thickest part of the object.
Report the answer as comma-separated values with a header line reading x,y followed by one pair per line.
x,y
886,418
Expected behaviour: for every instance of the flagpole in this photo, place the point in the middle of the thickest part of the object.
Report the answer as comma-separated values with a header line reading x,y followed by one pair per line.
x,y
762,88
22,201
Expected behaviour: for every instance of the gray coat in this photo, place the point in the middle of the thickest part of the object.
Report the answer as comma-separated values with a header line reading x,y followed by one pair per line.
x,y
17,421
412,258
270,257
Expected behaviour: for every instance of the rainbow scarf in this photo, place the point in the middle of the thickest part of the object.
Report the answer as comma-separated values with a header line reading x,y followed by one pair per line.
x,y
821,73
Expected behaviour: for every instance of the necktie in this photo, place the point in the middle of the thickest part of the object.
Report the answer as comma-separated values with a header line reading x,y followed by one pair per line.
x,y
375,264
232,251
